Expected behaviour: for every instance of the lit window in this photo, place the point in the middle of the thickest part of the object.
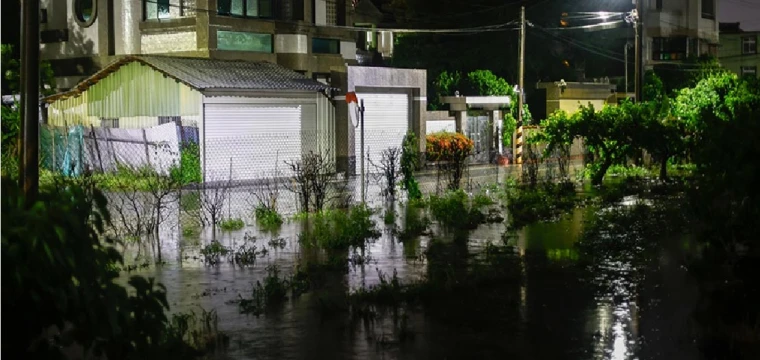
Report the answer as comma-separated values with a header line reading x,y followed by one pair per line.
x,y
749,45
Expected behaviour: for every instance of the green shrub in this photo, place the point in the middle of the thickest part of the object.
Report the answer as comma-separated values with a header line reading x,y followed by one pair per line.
x,y
189,169
389,217
339,230
454,210
415,223
231,224
273,292
410,161
213,252
267,218
530,204
59,268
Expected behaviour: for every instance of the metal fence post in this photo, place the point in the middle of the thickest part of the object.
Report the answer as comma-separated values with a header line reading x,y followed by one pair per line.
x,y
361,120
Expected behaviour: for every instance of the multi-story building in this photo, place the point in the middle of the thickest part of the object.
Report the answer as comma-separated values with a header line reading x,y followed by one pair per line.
x,y
738,49
674,30
81,36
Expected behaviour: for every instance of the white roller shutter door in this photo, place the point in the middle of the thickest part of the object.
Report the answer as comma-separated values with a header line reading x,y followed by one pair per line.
x,y
250,141
386,122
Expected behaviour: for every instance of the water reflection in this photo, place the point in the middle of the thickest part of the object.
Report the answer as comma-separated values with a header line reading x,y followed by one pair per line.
x,y
566,306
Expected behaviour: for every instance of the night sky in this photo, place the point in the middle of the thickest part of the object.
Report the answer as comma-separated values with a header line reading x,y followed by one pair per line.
x,y
747,12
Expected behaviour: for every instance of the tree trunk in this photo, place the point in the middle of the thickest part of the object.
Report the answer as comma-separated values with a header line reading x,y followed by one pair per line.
x,y
598,176
664,168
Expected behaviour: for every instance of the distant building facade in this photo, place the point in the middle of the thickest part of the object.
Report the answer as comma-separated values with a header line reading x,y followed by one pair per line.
x,y
674,30
738,49
309,36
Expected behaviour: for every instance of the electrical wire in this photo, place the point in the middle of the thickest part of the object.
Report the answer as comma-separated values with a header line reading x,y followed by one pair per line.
x,y
477,29
580,46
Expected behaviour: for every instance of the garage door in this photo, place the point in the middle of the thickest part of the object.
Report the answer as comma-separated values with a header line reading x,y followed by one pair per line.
x,y
386,122
253,141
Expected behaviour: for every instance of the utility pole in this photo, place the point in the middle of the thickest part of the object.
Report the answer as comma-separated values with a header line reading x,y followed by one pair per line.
x,y
637,26
30,97
625,55
521,94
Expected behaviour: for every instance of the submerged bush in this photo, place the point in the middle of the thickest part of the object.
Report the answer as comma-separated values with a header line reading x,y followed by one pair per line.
x,y
58,272
528,204
267,218
338,230
454,210
273,292
231,224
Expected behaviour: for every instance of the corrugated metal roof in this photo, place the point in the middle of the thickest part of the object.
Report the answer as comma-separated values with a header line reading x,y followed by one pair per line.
x,y
207,74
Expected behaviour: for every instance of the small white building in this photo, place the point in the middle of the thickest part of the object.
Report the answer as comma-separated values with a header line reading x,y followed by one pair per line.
x,y
251,116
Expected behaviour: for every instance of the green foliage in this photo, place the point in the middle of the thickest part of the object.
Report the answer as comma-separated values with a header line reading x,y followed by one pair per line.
x,y
213,252
415,222
485,83
410,161
267,218
339,230
454,210
11,126
389,217
11,69
530,204
509,125
446,84
189,169
272,293
231,224
58,270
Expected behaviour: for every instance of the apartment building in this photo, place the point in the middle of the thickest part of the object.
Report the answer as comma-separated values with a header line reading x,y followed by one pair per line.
x,y
81,36
738,49
674,30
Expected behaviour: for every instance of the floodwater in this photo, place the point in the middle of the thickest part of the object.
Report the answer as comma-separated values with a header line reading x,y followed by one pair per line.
x,y
632,301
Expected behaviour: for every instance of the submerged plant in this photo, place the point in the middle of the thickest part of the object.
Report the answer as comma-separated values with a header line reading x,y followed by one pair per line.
x,y
267,218
454,210
336,230
263,296
231,224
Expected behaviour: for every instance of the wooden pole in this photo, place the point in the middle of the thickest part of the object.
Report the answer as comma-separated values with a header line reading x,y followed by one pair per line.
x,y
147,148
97,148
30,76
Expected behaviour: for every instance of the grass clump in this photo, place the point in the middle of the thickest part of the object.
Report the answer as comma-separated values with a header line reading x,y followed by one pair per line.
x,y
545,202
231,224
455,210
267,218
339,230
199,331
271,293
214,252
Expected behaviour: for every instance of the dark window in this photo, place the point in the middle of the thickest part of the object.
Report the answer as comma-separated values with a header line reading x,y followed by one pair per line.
x,y
109,123
43,16
84,10
669,49
156,9
658,4
708,9
749,45
54,36
168,119
325,46
749,71
245,8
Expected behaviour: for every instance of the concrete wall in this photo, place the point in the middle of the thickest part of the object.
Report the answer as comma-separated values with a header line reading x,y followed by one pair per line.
x,y
577,94
678,18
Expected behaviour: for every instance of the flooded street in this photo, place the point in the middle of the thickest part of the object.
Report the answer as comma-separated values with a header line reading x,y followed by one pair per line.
x,y
582,290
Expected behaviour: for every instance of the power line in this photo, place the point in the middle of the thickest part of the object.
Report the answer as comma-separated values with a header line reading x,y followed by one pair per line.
x,y
582,46
478,29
